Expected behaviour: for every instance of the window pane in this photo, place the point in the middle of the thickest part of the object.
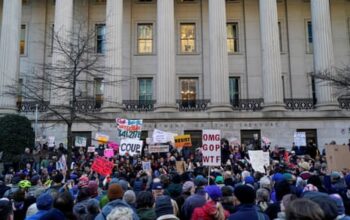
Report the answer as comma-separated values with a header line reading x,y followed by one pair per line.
x,y
98,90
309,37
234,90
188,38
188,89
22,43
100,38
144,38
145,89
232,37
280,35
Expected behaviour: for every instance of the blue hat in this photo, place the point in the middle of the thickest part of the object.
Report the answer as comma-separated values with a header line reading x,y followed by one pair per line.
x,y
249,180
214,192
277,177
44,201
157,186
200,180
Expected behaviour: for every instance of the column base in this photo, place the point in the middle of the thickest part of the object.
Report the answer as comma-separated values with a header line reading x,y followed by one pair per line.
x,y
271,107
166,108
329,106
220,108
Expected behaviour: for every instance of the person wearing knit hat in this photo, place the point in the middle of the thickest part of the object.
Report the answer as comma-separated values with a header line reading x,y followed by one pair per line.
x,y
340,206
164,209
247,208
93,188
130,198
83,182
43,204
114,192
212,209
188,186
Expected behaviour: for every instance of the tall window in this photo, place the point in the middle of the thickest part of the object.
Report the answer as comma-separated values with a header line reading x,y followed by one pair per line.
x,y
188,37
313,90
309,43
52,37
280,35
100,38
22,43
98,91
234,90
20,91
232,37
145,38
145,89
188,89
283,87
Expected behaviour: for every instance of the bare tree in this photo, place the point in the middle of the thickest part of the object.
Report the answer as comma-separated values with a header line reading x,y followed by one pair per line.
x,y
338,78
62,86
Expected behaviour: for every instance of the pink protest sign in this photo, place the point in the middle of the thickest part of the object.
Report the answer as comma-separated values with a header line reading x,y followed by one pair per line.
x,y
109,153
113,145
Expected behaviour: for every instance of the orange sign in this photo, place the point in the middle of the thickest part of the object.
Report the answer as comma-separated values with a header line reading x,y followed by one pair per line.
x,y
183,141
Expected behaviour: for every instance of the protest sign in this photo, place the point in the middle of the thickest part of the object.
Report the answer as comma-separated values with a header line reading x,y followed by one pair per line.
x,y
211,148
80,141
129,128
146,165
299,139
113,145
160,136
91,149
130,146
337,157
51,141
108,153
101,138
266,140
102,166
180,167
259,159
162,148
183,141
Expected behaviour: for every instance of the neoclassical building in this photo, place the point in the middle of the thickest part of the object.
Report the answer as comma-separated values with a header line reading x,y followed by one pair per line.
x,y
240,66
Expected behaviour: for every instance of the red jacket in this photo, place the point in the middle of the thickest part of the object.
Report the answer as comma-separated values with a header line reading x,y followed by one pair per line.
x,y
207,212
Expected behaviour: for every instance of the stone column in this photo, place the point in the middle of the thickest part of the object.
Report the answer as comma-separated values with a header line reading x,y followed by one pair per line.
x,y
271,57
114,57
63,28
9,53
323,52
218,59
166,78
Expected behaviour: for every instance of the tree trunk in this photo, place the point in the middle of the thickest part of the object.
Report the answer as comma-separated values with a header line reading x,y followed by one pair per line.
x,y
69,145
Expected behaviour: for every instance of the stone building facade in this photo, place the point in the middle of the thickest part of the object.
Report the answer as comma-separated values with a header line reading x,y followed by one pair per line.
x,y
240,66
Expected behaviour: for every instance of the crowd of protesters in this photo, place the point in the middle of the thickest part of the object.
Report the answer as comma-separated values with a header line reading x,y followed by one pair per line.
x,y
296,186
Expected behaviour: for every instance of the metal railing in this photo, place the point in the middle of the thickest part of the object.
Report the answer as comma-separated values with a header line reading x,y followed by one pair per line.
x,y
247,104
88,105
138,105
344,103
29,106
300,104
192,105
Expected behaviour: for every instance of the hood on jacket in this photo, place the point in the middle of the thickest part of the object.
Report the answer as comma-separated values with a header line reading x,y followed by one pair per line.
x,y
110,206
146,214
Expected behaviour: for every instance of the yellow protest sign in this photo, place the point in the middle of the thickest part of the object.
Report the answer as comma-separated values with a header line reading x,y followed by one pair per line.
x,y
183,141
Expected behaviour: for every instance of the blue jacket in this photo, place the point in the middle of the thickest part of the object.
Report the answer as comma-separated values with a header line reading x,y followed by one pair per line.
x,y
248,211
37,215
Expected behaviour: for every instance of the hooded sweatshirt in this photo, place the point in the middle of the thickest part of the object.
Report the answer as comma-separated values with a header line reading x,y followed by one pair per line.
x,y
146,214
110,206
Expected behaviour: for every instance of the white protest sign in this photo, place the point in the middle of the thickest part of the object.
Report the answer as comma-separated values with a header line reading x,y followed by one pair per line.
x,y
51,141
300,139
211,148
146,165
160,137
162,148
91,149
130,146
259,159
80,141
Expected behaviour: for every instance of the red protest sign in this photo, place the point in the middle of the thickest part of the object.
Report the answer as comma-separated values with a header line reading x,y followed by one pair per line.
x,y
102,166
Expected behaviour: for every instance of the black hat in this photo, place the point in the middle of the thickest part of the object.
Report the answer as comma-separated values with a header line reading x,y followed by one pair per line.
x,y
164,206
245,194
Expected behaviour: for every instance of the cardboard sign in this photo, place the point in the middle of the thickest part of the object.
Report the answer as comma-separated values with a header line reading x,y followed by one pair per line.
x,y
113,145
51,141
146,165
180,167
259,159
162,148
101,138
337,157
130,146
211,148
109,153
129,128
160,136
102,166
183,141
80,141
91,149
300,139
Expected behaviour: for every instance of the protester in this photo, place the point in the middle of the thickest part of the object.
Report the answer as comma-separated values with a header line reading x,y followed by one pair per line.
x,y
304,209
